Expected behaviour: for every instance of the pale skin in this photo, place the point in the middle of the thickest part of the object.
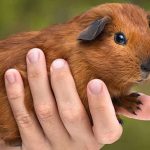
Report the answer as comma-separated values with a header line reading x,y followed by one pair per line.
x,y
61,122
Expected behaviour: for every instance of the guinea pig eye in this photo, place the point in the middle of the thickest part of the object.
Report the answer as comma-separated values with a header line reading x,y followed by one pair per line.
x,y
120,38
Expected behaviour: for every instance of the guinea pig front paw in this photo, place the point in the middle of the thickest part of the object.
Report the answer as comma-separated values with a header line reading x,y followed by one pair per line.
x,y
130,102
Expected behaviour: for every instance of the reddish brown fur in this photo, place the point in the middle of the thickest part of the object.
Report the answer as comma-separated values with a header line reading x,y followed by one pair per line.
x,y
118,66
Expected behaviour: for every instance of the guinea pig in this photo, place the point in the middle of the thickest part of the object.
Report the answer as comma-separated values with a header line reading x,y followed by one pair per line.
x,y
109,42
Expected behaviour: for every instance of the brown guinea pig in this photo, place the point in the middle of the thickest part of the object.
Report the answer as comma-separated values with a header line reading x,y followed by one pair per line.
x,y
109,42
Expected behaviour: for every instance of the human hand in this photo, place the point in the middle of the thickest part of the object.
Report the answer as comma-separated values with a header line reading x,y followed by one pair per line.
x,y
61,121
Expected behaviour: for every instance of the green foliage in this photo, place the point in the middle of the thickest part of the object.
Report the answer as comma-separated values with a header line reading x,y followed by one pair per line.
x,y
25,15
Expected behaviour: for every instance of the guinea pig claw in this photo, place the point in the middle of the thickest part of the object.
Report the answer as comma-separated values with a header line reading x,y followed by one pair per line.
x,y
133,112
135,94
139,102
138,108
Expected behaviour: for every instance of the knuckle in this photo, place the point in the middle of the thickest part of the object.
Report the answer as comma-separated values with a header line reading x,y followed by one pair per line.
x,y
61,75
34,74
15,95
73,116
24,120
58,76
100,108
111,136
44,112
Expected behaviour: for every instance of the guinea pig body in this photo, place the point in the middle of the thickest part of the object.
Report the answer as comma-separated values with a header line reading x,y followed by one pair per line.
x,y
109,42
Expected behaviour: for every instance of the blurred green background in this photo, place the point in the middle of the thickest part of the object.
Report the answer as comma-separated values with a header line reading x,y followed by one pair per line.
x,y
26,15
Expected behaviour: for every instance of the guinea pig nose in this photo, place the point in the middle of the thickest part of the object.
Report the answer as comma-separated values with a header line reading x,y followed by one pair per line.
x,y
146,66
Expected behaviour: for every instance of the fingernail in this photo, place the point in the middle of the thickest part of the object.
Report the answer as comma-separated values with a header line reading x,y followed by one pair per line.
x,y
58,64
95,86
10,77
33,55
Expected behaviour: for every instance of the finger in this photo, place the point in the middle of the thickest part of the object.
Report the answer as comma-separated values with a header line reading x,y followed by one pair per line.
x,y
143,114
106,126
44,102
28,127
70,107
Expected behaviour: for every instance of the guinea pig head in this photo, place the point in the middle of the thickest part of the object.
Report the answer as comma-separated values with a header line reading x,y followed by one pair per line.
x,y
115,41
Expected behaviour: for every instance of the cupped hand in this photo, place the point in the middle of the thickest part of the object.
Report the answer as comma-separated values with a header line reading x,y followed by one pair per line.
x,y
61,122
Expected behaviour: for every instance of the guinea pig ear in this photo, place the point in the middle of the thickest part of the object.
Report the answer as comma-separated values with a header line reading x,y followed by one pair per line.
x,y
94,29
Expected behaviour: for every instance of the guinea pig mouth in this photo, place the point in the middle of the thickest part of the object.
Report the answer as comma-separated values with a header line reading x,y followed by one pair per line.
x,y
144,76
139,81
